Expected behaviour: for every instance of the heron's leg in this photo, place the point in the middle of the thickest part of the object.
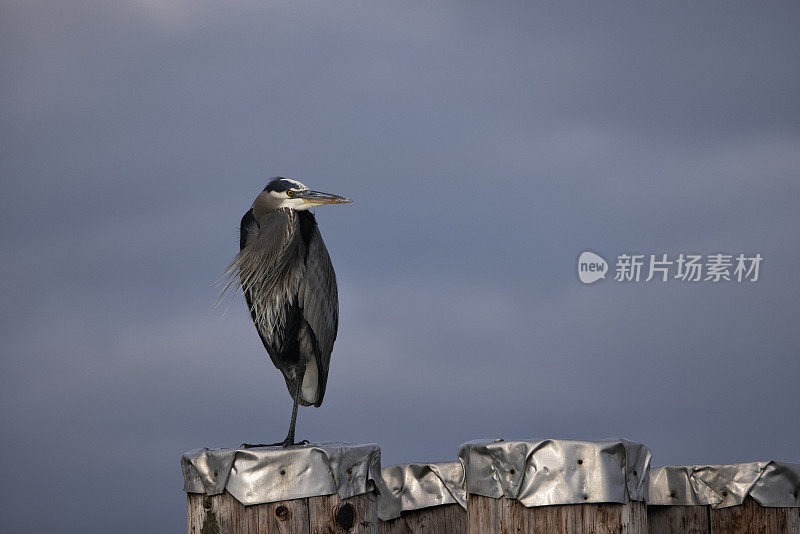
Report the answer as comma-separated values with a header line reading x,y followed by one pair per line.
x,y
289,441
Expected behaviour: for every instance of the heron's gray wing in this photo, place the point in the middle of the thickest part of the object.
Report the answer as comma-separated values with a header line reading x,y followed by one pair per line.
x,y
269,267
318,298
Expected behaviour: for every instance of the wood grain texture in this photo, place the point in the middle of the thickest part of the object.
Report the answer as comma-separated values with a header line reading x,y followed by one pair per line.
x,y
751,517
284,517
330,514
501,516
448,518
223,514
678,519
194,512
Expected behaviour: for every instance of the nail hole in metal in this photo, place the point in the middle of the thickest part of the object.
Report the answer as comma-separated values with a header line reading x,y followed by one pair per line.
x,y
513,471
216,474
283,472
673,494
346,516
635,473
282,513
724,493
580,462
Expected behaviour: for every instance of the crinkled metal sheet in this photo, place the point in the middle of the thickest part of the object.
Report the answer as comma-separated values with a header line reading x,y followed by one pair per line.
x,y
771,484
414,486
554,471
270,474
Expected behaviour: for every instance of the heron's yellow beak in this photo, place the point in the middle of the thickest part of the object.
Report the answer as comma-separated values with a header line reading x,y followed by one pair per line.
x,y
317,198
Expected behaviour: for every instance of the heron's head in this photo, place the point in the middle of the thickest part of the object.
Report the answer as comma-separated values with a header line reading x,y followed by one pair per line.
x,y
287,193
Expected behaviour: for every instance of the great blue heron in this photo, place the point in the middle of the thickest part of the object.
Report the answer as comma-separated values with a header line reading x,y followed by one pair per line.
x,y
287,279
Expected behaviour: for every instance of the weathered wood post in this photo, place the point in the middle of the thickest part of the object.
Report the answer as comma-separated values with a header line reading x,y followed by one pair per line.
x,y
422,498
556,486
320,487
716,499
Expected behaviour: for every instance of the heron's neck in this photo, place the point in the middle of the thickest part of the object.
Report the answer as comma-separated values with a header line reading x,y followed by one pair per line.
x,y
264,205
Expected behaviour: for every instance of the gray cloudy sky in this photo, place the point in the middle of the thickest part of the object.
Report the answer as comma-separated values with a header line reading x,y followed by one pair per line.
x,y
486,145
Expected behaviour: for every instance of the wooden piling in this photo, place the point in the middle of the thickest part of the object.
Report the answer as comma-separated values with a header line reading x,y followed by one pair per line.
x,y
425,498
223,514
497,487
747,517
678,519
752,517
556,486
501,515
725,499
323,488
447,518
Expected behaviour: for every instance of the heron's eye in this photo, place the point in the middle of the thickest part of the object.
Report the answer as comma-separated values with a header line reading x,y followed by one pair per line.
x,y
289,193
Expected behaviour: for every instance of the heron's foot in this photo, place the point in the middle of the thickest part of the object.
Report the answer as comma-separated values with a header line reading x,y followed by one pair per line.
x,y
289,443
256,445
285,444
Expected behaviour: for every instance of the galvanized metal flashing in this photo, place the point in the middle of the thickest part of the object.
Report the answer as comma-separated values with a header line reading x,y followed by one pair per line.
x,y
415,486
549,472
771,484
269,474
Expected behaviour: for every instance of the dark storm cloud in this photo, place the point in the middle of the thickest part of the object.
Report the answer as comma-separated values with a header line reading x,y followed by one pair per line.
x,y
485,146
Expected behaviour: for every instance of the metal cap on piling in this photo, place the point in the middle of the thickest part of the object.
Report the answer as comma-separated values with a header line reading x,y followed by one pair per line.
x,y
530,484
749,497
422,497
274,489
